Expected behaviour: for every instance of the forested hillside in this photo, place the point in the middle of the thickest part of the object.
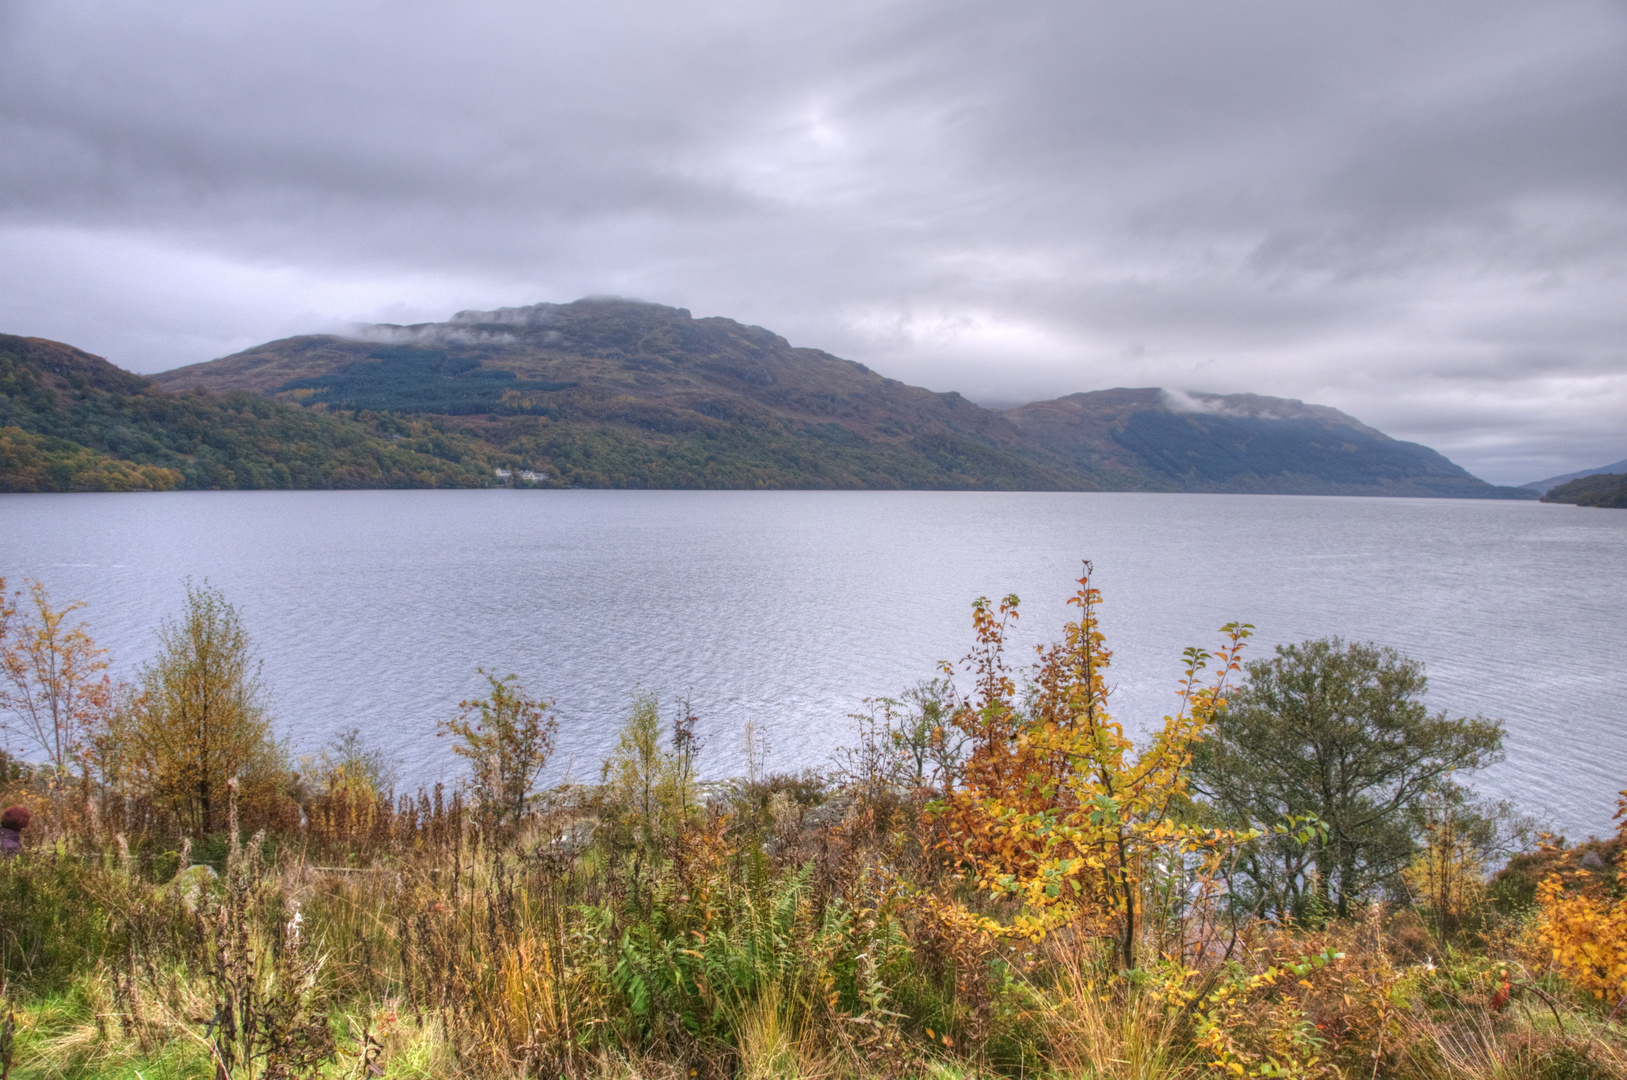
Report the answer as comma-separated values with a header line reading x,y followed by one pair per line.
x,y
623,394
1153,440
70,421
612,393
1600,489
620,393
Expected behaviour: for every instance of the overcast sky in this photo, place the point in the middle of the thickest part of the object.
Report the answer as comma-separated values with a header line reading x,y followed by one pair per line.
x,y
1415,212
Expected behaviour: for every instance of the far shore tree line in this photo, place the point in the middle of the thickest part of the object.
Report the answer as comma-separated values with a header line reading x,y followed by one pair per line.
x,y
992,849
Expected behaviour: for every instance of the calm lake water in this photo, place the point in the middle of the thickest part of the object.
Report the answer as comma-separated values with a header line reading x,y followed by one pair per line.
x,y
374,609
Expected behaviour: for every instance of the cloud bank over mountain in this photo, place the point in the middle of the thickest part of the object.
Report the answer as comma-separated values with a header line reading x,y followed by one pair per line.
x,y
1417,214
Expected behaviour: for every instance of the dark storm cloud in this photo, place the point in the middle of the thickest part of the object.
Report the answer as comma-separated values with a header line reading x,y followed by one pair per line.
x,y
1417,213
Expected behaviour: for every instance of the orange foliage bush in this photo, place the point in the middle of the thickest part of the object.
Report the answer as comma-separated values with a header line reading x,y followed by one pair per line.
x,y
1055,807
1585,927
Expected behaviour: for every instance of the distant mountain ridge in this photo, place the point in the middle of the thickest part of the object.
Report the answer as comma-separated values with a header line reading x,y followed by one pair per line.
x,y
607,392
1592,489
613,392
1542,487
1239,443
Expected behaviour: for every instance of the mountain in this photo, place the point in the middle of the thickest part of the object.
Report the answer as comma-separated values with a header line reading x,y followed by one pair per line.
x,y
614,393
622,393
1243,443
70,421
1542,487
1592,489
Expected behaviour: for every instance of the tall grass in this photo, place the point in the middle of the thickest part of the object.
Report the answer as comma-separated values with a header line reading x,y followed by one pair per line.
x,y
783,929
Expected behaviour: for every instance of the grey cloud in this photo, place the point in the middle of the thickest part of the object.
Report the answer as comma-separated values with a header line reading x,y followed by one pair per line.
x,y
1415,213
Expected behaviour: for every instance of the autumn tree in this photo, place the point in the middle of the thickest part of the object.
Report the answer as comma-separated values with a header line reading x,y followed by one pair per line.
x,y
1336,730
53,688
201,720
1583,922
1055,806
350,761
507,739
1460,837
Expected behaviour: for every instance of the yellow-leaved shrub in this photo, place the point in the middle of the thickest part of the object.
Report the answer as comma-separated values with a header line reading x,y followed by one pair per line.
x,y
1584,925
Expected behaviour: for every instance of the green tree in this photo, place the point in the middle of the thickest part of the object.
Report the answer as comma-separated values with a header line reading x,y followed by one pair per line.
x,y
908,742
507,739
1339,731
649,784
200,721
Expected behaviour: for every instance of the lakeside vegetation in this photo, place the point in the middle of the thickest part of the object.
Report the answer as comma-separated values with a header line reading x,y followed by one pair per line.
x,y
1285,878
1600,489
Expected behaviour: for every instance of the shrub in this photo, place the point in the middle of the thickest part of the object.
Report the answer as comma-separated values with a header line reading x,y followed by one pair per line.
x,y
507,739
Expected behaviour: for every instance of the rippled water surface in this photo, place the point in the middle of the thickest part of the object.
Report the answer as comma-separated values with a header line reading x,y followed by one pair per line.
x,y
373,609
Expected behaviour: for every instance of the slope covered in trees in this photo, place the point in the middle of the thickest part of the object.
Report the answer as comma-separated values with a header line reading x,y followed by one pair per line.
x,y
1154,440
70,421
624,394
621,393
1600,489
1545,486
